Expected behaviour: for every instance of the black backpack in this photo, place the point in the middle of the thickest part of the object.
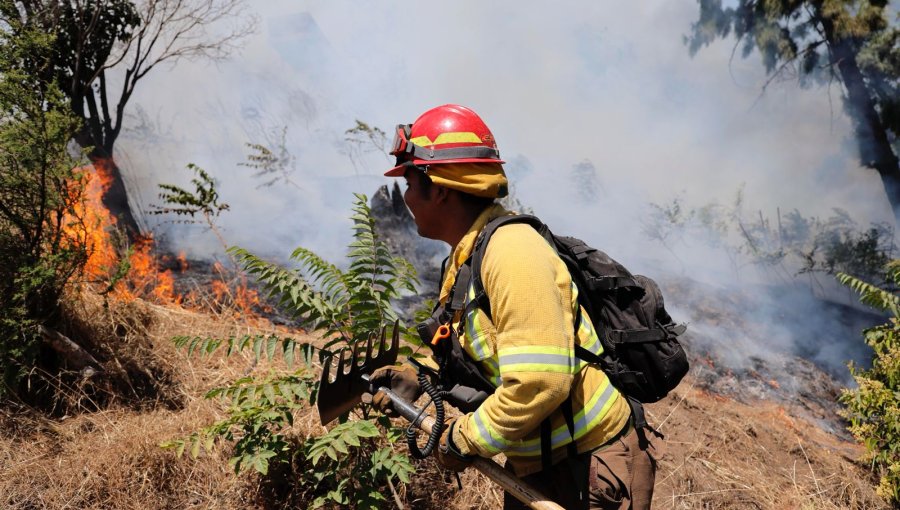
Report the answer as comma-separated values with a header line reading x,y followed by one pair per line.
x,y
641,354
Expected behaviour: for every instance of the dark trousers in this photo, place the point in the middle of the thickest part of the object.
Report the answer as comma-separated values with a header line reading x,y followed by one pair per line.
x,y
619,476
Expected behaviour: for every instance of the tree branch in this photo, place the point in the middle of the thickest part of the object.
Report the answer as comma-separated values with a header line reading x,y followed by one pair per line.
x,y
75,355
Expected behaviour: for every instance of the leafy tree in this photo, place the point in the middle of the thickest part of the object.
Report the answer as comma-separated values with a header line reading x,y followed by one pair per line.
x,y
850,41
103,48
42,243
873,408
347,466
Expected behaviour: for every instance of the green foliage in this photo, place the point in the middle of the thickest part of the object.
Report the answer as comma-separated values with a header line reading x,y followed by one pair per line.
x,y
260,415
347,450
342,304
347,466
203,200
272,161
802,33
42,234
874,296
873,408
852,42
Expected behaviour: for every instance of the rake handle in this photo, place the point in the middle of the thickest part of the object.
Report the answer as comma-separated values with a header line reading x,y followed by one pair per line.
x,y
510,483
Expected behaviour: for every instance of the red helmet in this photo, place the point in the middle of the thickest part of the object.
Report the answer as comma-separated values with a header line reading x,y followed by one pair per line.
x,y
446,134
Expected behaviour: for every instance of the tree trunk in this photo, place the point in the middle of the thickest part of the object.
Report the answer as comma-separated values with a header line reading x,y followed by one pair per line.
x,y
875,149
115,199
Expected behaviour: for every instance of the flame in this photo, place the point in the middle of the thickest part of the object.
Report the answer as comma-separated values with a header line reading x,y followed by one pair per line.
x,y
145,275
786,419
91,223
238,297
220,291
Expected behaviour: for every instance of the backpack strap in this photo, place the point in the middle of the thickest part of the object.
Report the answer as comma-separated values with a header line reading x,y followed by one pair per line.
x,y
640,422
481,298
619,336
457,299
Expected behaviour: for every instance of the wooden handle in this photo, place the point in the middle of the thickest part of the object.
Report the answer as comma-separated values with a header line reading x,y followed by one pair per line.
x,y
510,483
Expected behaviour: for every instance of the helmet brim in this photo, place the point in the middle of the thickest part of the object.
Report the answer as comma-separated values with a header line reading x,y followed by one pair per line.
x,y
399,170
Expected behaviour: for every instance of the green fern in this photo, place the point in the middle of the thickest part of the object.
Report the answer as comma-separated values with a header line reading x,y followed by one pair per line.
x,y
871,295
263,346
344,466
342,305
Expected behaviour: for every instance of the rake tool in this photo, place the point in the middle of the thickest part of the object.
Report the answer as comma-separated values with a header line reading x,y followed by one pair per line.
x,y
342,391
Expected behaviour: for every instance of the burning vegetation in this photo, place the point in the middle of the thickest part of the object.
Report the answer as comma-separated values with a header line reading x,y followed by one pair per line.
x,y
92,383
130,271
726,426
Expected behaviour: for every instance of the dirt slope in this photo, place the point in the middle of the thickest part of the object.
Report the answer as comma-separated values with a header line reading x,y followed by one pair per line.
x,y
721,453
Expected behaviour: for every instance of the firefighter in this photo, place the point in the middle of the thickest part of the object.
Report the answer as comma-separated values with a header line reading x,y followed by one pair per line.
x,y
588,459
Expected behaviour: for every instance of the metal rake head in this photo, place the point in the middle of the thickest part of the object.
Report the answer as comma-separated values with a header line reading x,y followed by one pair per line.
x,y
342,384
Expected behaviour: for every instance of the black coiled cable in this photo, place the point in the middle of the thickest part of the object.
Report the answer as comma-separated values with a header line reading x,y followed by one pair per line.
x,y
435,436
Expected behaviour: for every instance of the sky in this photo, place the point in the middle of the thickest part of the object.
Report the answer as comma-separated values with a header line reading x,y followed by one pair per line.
x,y
570,88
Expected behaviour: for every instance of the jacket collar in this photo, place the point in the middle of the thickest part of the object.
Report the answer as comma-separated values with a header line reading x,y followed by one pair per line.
x,y
463,249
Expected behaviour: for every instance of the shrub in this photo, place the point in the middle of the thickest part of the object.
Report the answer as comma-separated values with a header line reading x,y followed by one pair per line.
x,y
788,244
873,408
42,244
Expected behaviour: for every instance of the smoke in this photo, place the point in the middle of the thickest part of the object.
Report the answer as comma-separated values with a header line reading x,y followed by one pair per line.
x,y
602,93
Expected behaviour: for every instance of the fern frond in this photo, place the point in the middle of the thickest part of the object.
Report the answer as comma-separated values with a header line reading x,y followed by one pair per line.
x,y
325,275
892,272
290,390
871,295
293,294
289,349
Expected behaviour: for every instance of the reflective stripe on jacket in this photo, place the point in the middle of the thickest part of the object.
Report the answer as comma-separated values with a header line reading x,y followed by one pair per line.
x,y
528,351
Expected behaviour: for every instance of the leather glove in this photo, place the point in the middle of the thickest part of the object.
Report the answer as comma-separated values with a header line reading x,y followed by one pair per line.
x,y
448,454
401,379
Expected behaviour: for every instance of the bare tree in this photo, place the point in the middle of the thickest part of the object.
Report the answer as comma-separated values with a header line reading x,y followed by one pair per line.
x,y
105,47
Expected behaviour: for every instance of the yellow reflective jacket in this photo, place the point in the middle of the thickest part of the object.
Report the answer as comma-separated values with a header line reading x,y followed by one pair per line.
x,y
528,351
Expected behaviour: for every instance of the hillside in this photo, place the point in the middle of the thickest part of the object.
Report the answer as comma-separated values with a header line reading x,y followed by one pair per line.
x,y
721,453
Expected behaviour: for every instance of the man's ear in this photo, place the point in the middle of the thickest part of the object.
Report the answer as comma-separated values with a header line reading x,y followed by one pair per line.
x,y
441,194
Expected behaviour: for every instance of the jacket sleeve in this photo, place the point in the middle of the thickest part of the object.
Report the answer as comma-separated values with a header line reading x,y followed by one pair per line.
x,y
531,306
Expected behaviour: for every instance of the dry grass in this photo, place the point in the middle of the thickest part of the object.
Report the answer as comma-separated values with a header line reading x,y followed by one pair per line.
x,y
721,454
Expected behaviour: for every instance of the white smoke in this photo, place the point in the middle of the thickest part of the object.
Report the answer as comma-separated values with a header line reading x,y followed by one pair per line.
x,y
603,85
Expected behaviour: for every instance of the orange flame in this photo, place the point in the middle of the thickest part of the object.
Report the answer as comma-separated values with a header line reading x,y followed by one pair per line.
x,y
145,276
90,222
